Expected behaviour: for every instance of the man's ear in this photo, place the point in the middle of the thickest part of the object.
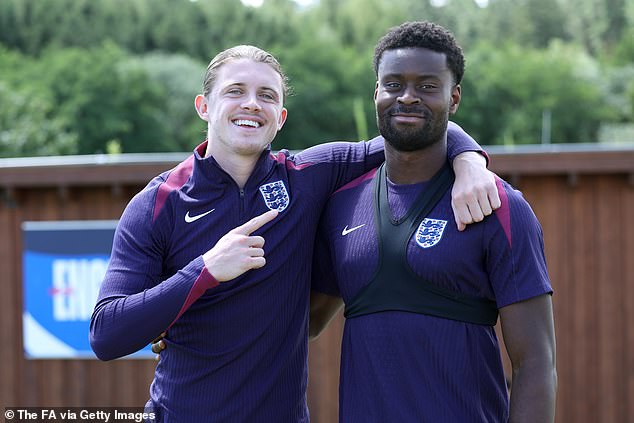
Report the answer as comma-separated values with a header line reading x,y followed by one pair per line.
x,y
376,90
456,93
200,103
282,118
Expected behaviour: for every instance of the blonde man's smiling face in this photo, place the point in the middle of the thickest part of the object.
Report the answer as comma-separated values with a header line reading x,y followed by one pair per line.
x,y
244,109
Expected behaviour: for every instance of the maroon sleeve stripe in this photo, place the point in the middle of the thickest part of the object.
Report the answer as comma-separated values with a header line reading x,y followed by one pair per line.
x,y
176,179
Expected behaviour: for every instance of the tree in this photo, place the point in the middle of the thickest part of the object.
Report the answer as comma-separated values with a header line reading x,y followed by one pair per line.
x,y
506,89
29,126
104,99
180,78
122,72
326,80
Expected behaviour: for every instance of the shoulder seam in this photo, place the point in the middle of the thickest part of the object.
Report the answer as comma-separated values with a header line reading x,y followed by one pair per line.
x,y
357,181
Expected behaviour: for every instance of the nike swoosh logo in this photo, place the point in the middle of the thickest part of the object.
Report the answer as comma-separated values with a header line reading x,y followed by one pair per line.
x,y
190,219
346,231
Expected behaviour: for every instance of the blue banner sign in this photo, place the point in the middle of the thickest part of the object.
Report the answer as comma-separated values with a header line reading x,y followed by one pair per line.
x,y
64,263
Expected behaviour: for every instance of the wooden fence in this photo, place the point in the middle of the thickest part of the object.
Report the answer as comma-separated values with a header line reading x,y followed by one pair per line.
x,y
582,195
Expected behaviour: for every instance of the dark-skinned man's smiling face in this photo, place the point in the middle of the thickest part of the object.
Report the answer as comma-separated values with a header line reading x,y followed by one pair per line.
x,y
415,94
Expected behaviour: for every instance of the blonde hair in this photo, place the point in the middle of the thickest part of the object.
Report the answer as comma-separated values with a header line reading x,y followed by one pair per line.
x,y
242,52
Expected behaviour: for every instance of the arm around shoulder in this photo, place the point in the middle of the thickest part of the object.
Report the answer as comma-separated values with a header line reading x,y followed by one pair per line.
x,y
474,194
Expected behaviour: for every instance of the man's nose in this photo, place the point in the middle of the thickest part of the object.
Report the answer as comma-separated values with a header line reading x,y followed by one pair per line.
x,y
251,103
409,96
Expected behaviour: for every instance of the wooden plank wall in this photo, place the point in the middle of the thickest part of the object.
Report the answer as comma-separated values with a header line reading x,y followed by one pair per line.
x,y
589,239
586,212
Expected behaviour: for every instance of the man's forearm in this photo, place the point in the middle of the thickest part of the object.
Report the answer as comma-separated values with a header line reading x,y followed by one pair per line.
x,y
459,141
533,394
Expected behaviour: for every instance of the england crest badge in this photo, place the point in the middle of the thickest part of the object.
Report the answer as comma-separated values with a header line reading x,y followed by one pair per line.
x,y
429,232
275,195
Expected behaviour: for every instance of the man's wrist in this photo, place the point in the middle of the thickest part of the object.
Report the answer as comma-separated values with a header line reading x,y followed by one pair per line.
x,y
470,158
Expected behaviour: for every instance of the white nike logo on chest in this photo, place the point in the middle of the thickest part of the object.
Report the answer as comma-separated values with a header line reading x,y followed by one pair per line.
x,y
190,219
346,231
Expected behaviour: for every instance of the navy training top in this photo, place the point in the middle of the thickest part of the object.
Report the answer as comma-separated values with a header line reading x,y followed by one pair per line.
x,y
409,367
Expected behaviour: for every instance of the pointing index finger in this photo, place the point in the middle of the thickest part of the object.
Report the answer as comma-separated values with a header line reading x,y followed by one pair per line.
x,y
256,223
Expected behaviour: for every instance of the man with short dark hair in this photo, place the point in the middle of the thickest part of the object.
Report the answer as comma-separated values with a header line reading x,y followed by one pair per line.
x,y
422,299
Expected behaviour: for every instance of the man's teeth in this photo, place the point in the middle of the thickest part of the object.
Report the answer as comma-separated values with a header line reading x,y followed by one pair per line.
x,y
244,122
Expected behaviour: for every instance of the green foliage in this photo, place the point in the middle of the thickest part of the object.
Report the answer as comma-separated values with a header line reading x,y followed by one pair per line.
x,y
29,124
104,99
85,76
620,92
29,128
624,50
360,23
325,80
507,89
180,78
360,119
